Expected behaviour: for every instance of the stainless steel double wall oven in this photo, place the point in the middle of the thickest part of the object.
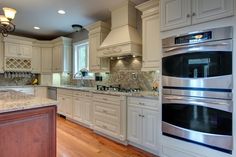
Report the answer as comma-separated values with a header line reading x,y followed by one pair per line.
x,y
197,88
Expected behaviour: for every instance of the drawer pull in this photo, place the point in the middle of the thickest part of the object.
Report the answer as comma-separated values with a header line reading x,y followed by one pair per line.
x,y
104,111
104,99
141,103
105,127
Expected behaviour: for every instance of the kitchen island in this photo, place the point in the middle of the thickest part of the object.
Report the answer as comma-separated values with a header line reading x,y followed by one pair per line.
x,y
27,125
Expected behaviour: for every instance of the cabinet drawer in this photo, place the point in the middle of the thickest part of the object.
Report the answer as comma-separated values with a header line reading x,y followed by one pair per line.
x,y
107,98
64,92
143,102
82,94
106,109
106,126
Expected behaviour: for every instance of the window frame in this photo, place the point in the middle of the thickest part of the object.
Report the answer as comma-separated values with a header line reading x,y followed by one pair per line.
x,y
90,76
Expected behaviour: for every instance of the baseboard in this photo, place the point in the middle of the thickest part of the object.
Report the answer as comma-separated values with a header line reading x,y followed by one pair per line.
x,y
144,148
111,138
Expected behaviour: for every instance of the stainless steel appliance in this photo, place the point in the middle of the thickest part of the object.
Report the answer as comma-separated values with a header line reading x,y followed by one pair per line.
x,y
52,93
197,88
199,60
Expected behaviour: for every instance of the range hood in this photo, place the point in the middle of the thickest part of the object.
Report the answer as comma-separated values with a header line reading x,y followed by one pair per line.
x,y
124,38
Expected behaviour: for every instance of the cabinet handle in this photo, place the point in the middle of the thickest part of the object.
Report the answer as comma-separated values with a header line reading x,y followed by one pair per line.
x,y
141,103
104,99
104,111
188,15
193,14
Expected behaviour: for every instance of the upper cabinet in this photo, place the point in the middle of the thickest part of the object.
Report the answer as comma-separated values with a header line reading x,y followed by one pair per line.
x,y
62,55
17,47
97,33
180,13
151,35
206,10
46,60
36,59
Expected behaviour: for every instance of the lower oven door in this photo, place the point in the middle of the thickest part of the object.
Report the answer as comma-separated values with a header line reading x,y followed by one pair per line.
x,y
203,121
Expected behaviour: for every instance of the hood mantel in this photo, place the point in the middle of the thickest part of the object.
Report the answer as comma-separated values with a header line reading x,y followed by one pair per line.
x,y
123,39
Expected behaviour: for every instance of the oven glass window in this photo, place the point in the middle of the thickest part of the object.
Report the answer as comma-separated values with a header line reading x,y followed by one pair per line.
x,y
198,118
198,64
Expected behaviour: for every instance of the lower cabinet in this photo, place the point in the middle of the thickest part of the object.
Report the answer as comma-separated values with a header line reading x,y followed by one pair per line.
x,y
82,107
110,116
40,92
144,126
65,99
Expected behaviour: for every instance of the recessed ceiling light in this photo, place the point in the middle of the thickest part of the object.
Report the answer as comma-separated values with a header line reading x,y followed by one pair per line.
x,y
61,12
36,28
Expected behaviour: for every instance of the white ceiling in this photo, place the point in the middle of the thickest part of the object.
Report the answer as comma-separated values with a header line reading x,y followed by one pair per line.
x,y
43,13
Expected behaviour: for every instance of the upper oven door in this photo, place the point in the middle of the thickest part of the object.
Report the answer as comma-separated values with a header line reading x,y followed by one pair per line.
x,y
203,65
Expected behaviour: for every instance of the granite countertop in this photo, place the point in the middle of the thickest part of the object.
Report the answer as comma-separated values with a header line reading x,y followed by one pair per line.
x,y
143,94
17,101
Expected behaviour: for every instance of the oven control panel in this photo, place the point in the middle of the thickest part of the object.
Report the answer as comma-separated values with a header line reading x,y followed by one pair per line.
x,y
194,38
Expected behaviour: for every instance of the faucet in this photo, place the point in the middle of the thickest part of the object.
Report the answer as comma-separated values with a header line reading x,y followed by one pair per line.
x,y
82,78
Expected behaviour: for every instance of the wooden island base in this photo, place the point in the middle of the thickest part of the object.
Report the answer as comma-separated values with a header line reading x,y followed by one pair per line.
x,y
28,133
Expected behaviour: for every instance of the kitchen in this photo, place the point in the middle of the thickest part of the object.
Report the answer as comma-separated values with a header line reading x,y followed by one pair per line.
x,y
129,78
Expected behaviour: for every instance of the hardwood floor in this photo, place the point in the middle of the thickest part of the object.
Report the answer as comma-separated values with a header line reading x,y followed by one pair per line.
x,y
76,141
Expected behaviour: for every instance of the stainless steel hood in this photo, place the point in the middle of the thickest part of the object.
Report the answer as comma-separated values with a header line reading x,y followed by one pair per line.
x,y
124,38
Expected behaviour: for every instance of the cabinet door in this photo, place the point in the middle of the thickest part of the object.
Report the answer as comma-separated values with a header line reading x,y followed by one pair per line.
x,y
1,56
151,42
12,50
68,106
46,60
150,129
26,51
135,125
206,10
57,56
175,14
77,109
36,60
86,115
94,43
41,92
60,106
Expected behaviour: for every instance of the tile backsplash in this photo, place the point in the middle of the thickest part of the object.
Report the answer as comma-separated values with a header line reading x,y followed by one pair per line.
x,y
125,72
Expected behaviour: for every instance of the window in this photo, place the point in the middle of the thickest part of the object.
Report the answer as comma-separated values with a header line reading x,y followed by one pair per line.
x,y
81,59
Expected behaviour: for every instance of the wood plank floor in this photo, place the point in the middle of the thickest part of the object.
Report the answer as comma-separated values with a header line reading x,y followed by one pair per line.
x,y
76,141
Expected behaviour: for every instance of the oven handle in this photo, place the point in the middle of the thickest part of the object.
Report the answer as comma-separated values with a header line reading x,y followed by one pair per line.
x,y
196,46
226,106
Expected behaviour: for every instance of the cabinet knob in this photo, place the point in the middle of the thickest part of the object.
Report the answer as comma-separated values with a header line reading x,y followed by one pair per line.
x,y
193,14
188,15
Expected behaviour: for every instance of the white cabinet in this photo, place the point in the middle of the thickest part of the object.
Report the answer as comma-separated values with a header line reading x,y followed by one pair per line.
x,y
82,107
150,129
151,53
175,14
41,92
97,33
206,10
180,13
62,55
110,115
134,124
36,60
65,105
1,56
144,123
18,50
46,60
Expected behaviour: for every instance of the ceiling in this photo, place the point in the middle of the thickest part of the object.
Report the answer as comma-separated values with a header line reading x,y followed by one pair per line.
x,y
43,13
